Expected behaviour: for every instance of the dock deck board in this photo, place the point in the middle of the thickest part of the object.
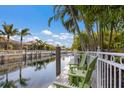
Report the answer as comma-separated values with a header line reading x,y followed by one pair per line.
x,y
63,77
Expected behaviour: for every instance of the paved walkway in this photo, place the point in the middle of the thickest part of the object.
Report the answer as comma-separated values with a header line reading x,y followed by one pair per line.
x,y
63,77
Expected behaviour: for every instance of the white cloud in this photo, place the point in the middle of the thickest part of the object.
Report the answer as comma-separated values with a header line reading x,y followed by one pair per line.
x,y
16,38
32,38
56,36
47,32
65,36
55,43
49,40
35,37
25,39
61,38
58,43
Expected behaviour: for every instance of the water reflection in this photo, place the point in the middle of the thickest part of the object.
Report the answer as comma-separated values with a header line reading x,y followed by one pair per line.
x,y
22,81
41,64
32,74
7,83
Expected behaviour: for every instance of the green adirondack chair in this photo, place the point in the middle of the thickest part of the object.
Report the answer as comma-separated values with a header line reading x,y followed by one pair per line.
x,y
81,65
85,78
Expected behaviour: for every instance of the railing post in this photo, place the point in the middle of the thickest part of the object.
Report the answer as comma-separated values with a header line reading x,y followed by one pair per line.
x,y
75,56
110,73
114,74
58,60
98,70
25,56
120,75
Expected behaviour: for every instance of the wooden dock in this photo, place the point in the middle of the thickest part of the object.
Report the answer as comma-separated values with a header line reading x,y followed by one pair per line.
x,y
10,56
63,77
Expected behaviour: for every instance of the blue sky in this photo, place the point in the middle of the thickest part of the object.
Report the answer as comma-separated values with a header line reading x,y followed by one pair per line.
x,y
36,19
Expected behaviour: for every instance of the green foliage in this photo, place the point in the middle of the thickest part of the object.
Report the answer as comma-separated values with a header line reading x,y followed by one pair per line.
x,y
9,84
98,21
24,32
8,30
76,44
40,45
117,43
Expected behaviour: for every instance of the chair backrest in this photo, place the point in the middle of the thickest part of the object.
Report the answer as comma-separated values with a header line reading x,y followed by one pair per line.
x,y
90,70
83,60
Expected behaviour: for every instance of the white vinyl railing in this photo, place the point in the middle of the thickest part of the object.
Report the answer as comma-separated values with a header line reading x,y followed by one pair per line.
x,y
20,52
109,69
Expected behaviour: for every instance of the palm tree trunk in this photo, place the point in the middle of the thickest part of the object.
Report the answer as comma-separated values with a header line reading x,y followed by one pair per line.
x,y
88,31
102,39
110,38
21,42
97,27
20,73
91,37
7,45
94,41
77,28
101,36
7,77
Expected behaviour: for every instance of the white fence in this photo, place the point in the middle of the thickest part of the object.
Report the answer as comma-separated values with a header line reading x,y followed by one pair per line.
x,y
19,52
109,70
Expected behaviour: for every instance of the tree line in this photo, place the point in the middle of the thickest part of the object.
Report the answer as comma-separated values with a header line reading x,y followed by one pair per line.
x,y
8,31
117,43
97,20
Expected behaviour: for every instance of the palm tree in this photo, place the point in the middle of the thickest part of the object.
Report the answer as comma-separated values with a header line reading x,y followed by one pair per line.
x,y
40,65
22,81
70,23
45,45
104,17
24,32
8,30
7,83
114,12
39,44
88,15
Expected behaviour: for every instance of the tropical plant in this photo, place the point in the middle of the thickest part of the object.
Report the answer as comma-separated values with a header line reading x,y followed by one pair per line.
x,y
22,81
24,32
69,18
8,30
7,83
96,20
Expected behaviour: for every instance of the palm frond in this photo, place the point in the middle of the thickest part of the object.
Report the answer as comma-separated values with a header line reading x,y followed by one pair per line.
x,y
2,32
49,21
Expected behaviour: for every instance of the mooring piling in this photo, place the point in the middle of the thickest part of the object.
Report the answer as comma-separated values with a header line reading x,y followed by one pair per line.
x,y
58,60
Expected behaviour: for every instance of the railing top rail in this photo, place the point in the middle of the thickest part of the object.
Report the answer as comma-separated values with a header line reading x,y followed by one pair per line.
x,y
121,66
108,53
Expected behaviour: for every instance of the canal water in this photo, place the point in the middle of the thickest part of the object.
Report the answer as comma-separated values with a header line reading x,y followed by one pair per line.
x,y
39,74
